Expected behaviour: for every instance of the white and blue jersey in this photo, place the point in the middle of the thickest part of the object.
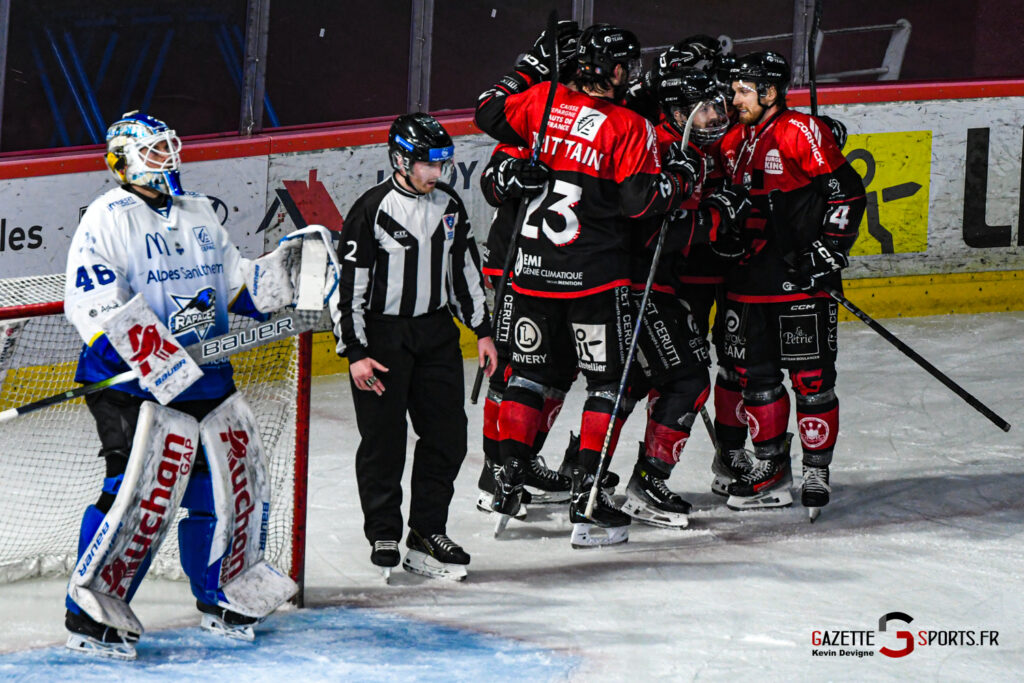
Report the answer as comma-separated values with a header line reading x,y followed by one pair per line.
x,y
180,259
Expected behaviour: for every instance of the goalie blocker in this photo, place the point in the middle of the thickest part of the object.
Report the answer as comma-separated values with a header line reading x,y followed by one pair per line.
x,y
221,541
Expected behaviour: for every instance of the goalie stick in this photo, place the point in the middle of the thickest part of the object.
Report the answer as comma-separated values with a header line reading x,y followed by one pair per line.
x,y
524,202
279,326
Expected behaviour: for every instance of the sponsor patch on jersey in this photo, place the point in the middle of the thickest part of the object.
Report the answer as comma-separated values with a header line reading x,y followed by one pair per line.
x,y
528,336
587,123
773,162
591,343
798,336
196,313
449,226
202,234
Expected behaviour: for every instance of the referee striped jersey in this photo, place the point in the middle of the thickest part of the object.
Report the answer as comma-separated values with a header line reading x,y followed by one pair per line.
x,y
407,255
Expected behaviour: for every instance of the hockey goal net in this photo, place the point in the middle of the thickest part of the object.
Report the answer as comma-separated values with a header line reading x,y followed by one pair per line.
x,y
49,469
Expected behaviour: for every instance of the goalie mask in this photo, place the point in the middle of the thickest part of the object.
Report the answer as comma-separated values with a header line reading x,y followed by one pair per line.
x,y
679,91
419,137
144,151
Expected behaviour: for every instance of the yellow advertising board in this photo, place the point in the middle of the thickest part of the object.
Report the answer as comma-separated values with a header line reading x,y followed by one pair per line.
x,y
896,169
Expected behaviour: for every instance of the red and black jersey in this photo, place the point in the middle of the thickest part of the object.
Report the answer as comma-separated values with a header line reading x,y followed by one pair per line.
x,y
605,171
500,234
802,189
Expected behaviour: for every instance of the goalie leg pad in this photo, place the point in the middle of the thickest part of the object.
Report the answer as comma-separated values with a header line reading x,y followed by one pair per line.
x,y
241,503
117,555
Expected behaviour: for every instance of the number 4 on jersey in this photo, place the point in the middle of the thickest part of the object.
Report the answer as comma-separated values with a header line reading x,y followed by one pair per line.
x,y
553,214
103,274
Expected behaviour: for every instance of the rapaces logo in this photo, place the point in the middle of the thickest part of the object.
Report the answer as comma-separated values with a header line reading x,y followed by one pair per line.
x,y
894,639
196,313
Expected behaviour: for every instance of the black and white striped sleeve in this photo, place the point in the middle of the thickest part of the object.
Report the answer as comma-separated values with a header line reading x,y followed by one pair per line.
x,y
465,281
356,252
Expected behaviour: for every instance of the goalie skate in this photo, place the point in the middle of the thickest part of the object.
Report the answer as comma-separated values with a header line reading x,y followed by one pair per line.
x,y
123,650
92,638
436,557
226,623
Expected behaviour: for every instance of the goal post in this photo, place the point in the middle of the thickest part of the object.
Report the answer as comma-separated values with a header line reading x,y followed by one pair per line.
x,y
49,469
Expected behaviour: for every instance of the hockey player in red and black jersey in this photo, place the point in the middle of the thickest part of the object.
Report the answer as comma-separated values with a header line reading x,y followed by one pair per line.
x,y
571,274
808,203
673,347
508,179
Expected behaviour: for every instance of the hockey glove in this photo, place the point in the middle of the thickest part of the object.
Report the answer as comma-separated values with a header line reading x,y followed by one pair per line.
x,y
818,262
536,61
685,161
837,128
724,212
516,178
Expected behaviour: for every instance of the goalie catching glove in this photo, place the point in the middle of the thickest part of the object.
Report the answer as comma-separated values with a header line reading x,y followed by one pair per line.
x,y
303,271
819,261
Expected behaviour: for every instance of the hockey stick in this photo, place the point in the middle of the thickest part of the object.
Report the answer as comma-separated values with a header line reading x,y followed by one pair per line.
x,y
812,45
278,327
499,292
917,358
709,425
624,381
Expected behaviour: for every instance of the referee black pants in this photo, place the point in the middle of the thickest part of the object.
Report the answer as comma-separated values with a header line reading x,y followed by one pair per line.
x,y
425,380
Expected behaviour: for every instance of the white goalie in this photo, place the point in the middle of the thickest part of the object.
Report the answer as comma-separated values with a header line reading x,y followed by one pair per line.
x,y
150,271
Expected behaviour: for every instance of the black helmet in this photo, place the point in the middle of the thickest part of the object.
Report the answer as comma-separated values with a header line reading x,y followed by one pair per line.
x,y
764,69
682,89
722,72
418,137
601,47
703,40
567,33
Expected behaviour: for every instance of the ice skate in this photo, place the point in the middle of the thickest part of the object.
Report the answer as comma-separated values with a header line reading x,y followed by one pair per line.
x,y
385,555
571,460
815,490
650,500
508,492
729,466
435,556
98,640
546,486
767,485
226,623
606,526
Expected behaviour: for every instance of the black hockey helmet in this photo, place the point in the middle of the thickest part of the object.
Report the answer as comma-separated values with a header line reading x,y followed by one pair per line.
x,y
680,90
763,69
703,40
722,72
418,137
601,47
567,33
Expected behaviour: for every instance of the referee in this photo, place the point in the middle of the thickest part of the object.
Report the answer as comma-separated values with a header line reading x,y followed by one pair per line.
x,y
408,262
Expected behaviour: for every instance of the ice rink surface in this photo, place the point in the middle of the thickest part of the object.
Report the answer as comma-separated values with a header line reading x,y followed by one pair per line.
x,y
926,519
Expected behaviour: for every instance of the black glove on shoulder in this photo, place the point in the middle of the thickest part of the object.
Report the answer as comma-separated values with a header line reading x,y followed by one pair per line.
x,y
732,205
820,260
684,160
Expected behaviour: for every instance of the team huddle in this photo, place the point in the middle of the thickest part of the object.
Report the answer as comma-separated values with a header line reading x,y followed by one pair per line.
x,y
628,206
